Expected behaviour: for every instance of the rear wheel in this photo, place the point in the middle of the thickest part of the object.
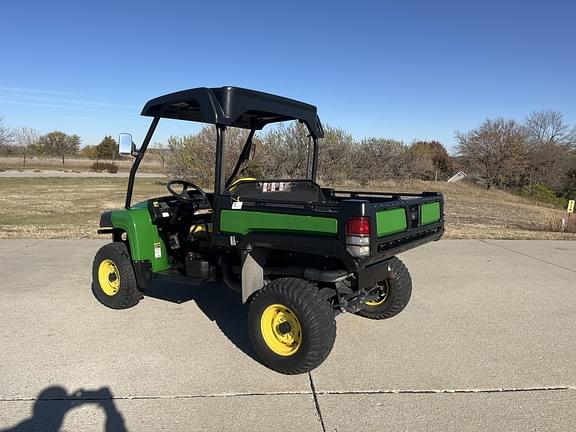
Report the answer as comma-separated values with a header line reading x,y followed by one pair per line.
x,y
291,327
113,280
393,293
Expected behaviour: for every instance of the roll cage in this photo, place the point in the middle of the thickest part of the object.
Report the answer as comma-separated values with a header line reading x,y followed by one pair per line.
x,y
228,107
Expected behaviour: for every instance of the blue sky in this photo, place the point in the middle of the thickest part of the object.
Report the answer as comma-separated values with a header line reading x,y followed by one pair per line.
x,y
405,70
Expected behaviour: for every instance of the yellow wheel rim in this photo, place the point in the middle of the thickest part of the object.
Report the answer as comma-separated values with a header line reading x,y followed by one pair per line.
x,y
382,294
109,277
281,330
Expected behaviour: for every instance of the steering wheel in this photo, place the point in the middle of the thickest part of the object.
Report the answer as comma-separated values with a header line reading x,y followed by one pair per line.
x,y
187,187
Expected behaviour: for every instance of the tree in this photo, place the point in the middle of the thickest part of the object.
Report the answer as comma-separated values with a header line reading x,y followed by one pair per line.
x,y
549,142
380,159
443,166
419,164
26,139
6,134
496,150
192,157
549,127
285,151
336,158
89,152
58,144
107,149
569,178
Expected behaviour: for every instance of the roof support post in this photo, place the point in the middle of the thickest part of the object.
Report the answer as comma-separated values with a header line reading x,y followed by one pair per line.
x,y
314,159
244,156
219,171
138,159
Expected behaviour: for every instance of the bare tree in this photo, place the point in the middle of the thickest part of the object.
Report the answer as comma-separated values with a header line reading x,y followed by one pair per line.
x,y
549,140
337,158
192,157
549,127
381,159
285,151
26,139
496,150
6,134
419,162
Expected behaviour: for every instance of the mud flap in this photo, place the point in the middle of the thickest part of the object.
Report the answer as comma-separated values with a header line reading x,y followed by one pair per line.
x,y
252,274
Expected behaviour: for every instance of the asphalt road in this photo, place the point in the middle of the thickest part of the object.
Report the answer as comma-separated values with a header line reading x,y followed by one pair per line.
x,y
487,343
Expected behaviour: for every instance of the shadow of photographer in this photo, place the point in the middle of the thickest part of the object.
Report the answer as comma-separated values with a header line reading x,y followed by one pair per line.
x,y
53,403
218,302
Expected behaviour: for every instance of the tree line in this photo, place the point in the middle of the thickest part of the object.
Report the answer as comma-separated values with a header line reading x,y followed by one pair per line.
x,y
25,142
536,154
285,151
519,155
533,157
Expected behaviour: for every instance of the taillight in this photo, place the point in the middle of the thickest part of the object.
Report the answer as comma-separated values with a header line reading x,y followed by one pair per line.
x,y
358,236
358,226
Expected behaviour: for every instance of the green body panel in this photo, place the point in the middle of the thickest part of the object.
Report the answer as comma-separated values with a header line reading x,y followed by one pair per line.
x,y
242,222
145,243
429,213
391,221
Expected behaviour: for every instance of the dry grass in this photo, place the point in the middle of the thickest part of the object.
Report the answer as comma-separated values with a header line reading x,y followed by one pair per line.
x,y
71,207
63,207
473,212
45,163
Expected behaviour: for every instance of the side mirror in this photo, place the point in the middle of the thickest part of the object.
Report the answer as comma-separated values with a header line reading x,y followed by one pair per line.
x,y
127,146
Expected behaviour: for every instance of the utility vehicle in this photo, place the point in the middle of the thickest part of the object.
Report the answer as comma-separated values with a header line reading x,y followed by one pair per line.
x,y
298,253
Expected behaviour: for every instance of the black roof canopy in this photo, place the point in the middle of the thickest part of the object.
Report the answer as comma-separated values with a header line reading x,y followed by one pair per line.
x,y
233,106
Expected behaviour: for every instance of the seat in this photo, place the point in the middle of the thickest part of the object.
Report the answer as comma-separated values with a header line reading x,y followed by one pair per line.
x,y
279,190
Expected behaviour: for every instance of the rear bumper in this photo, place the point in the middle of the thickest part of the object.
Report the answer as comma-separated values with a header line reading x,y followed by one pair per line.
x,y
375,269
387,247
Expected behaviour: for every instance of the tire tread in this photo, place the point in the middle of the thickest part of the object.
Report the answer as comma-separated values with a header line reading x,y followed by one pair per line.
x,y
128,295
313,312
400,290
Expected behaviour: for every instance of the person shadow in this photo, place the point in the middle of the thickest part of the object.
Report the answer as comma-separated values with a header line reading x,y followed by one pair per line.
x,y
54,402
219,303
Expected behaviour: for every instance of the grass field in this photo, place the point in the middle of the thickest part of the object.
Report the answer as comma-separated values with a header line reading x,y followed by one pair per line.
x,y
63,207
70,208
82,165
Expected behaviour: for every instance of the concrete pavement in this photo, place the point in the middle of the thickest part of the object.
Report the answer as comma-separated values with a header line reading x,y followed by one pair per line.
x,y
487,343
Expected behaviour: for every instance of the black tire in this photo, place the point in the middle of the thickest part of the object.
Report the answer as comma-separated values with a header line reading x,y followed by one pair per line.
x,y
315,319
396,292
122,290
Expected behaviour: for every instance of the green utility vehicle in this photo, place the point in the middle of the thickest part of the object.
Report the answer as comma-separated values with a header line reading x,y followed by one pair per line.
x,y
298,253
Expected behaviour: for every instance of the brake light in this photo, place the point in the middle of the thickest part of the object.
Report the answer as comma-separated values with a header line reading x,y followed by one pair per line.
x,y
358,236
358,226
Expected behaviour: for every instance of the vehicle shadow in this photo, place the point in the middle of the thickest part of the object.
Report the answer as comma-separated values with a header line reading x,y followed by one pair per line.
x,y
218,302
52,404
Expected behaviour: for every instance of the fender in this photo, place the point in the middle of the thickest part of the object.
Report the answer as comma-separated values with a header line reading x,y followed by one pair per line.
x,y
143,239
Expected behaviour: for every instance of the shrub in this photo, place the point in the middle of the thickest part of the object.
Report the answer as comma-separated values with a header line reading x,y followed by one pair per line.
x,y
98,166
542,193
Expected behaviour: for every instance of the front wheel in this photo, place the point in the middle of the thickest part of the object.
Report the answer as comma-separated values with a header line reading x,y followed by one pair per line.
x,y
393,293
291,327
113,279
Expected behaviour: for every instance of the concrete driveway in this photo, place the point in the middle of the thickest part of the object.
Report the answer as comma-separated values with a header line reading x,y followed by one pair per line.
x,y
487,343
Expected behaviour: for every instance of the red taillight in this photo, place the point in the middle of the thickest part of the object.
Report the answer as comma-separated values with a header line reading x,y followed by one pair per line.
x,y
358,226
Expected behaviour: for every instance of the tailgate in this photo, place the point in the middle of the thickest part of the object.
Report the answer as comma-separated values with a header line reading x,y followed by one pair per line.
x,y
407,215
407,221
